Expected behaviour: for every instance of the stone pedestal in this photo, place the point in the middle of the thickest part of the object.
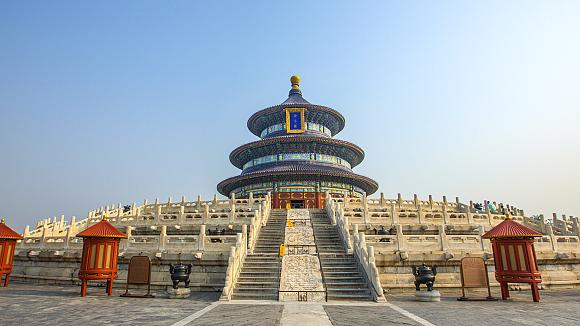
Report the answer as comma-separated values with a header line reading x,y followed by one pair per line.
x,y
180,293
428,296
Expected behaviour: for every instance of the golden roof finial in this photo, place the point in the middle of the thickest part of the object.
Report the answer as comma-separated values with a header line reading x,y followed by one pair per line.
x,y
3,222
295,80
105,217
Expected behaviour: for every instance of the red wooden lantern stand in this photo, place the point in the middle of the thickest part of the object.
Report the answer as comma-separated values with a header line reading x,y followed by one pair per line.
x,y
514,256
8,238
100,251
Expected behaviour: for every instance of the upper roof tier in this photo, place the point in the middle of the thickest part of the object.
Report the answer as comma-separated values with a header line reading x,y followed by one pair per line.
x,y
274,115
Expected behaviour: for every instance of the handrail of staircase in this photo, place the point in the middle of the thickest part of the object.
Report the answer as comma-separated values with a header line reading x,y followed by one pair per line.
x,y
366,258
260,219
336,213
235,262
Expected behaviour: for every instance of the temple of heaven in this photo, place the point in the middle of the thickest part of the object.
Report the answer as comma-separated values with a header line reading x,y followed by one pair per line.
x,y
297,160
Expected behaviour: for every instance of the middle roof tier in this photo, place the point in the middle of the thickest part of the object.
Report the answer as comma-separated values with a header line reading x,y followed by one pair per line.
x,y
297,144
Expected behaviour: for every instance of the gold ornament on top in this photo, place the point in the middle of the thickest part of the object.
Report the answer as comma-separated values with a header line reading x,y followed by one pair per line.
x,y
295,80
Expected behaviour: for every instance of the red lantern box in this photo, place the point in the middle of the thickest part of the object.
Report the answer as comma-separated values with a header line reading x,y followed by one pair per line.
x,y
8,238
514,256
100,251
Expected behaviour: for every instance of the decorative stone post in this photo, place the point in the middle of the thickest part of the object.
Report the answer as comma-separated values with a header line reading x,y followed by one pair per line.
x,y
201,238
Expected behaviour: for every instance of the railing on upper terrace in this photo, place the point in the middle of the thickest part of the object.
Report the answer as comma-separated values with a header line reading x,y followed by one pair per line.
x,y
447,239
162,223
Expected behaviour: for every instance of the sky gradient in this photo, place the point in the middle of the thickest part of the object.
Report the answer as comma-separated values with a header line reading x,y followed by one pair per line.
x,y
118,101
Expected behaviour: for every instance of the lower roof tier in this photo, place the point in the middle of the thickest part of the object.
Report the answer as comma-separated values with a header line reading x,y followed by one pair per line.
x,y
298,173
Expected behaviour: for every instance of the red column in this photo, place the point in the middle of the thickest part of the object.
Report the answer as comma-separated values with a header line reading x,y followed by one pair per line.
x,y
275,200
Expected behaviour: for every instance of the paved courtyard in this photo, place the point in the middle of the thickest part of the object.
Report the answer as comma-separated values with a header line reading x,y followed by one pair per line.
x,y
24,304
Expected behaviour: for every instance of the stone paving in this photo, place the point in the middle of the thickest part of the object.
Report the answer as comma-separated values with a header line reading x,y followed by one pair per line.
x,y
24,304
241,314
555,308
380,315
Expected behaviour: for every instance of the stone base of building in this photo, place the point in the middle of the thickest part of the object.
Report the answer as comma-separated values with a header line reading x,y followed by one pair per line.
x,y
44,267
208,274
396,277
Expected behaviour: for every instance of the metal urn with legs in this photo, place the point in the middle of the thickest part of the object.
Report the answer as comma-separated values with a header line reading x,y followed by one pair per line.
x,y
180,273
425,275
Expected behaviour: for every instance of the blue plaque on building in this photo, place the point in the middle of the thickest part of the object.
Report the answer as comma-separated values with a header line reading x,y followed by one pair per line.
x,y
295,120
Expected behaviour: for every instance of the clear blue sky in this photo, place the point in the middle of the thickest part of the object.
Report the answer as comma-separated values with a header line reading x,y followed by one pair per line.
x,y
116,101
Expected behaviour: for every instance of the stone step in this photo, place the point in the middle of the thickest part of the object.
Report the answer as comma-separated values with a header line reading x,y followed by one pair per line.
x,y
346,284
262,261
258,278
339,268
259,273
254,296
350,297
338,279
269,242
364,290
260,269
258,285
335,264
256,290
340,273
266,249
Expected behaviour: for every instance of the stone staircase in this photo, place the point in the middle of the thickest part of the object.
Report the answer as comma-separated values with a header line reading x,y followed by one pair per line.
x,y
260,275
340,271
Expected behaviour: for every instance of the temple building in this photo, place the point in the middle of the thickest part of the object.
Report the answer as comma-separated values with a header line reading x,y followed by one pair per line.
x,y
254,245
297,159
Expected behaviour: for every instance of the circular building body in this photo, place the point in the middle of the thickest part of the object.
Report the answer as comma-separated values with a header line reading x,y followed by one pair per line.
x,y
297,159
